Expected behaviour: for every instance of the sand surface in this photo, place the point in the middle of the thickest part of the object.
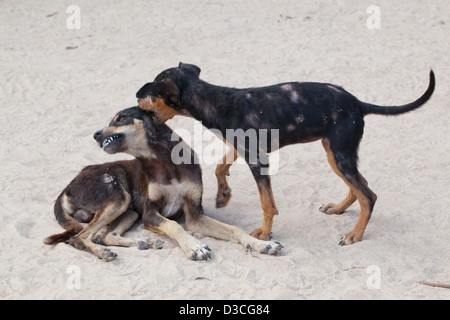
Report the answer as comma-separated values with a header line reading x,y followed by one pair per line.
x,y
60,85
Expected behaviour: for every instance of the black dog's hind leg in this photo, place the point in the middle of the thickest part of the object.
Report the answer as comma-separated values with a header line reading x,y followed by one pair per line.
x,y
332,208
344,164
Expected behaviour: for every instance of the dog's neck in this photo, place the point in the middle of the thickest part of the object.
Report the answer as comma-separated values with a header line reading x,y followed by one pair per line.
x,y
143,153
153,152
159,147
205,102
158,162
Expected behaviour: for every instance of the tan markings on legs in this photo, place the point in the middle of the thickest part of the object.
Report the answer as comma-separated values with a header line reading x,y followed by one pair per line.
x,y
222,170
269,210
83,240
191,246
212,228
366,211
112,236
332,208
359,188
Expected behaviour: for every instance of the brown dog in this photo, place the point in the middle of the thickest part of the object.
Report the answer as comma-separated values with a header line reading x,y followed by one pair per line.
x,y
150,186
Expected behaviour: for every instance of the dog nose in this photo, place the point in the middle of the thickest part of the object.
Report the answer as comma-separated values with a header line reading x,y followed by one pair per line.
x,y
97,135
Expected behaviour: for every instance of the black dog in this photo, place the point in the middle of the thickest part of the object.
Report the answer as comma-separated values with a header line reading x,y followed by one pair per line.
x,y
301,111
150,186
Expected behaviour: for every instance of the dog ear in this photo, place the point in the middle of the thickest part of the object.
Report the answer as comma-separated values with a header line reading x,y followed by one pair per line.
x,y
149,127
157,134
194,69
165,89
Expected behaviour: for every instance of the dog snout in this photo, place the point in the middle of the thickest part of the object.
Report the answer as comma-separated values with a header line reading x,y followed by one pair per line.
x,y
98,135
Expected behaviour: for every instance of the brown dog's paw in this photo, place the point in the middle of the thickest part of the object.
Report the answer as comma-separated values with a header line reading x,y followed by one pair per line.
x,y
265,247
106,254
150,243
200,252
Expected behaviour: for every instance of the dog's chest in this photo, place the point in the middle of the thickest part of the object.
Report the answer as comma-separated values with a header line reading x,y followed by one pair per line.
x,y
172,195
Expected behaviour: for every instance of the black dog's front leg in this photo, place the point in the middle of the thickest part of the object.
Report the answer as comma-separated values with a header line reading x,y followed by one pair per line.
x,y
260,173
223,190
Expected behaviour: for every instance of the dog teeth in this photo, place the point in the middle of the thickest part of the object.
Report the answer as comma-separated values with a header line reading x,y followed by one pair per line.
x,y
108,140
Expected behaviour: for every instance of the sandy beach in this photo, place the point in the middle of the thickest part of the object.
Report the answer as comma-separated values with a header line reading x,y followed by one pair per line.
x,y
64,76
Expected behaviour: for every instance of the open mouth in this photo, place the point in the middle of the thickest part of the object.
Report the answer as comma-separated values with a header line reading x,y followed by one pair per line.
x,y
110,140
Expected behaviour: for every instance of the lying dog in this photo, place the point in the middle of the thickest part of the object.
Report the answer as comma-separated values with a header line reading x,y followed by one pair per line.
x,y
301,111
150,186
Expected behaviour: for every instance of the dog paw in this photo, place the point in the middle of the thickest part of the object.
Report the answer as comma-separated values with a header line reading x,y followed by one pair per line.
x,y
331,208
201,252
266,247
350,238
150,243
223,197
196,250
106,254
259,234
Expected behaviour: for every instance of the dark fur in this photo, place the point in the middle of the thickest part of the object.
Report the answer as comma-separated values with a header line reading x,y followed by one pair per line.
x,y
301,111
150,186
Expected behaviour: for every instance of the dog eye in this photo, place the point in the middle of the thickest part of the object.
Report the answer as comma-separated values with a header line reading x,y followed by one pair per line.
x,y
120,118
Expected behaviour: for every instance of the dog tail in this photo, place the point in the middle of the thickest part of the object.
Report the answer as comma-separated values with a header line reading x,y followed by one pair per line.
x,y
66,221
59,237
368,108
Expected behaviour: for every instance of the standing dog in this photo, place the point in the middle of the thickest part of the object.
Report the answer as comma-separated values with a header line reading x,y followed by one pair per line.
x,y
150,186
301,111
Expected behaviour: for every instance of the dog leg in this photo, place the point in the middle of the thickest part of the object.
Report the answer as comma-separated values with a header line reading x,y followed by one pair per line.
x,y
112,236
192,247
332,208
83,240
267,203
344,164
223,190
212,228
